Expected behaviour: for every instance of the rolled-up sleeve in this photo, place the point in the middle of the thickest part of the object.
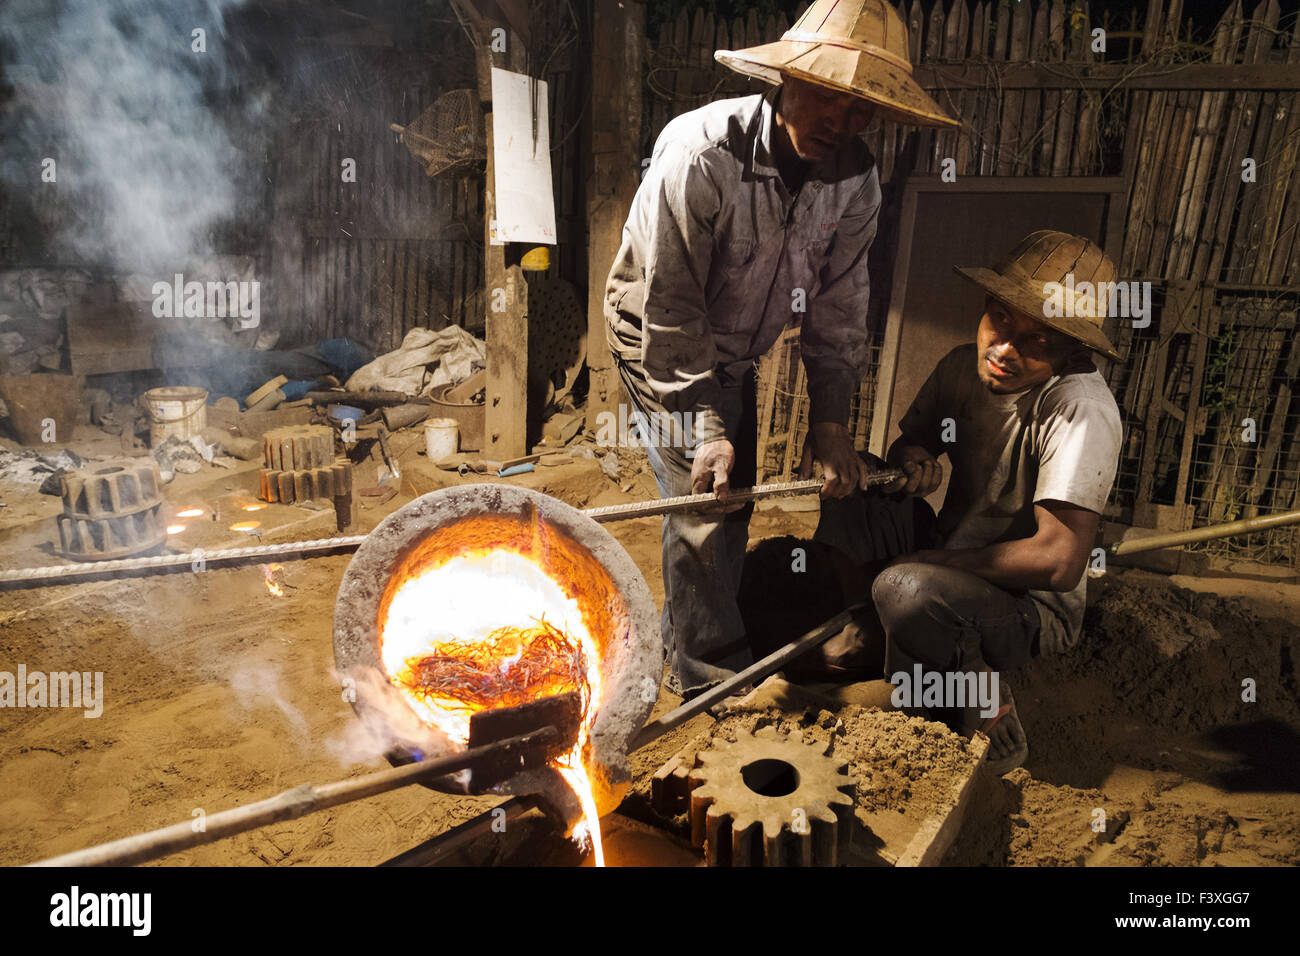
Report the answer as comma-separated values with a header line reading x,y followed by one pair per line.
x,y
682,204
833,341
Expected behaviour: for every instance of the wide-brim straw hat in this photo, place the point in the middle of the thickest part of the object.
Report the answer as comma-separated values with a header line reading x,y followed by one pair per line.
x,y
1044,257
854,46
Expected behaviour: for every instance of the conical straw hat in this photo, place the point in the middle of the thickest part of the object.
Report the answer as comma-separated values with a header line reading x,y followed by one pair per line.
x,y
1067,262
854,46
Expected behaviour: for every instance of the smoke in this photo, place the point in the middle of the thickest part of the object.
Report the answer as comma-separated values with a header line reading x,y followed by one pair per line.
x,y
120,94
258,684
389,725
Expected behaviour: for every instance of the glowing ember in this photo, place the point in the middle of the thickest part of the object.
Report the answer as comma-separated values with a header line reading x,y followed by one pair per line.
x,y
246,526
268,572
510,666
175,528
190,513
491,629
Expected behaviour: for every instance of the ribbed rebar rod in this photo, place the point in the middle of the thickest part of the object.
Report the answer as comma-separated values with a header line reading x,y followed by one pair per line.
x,y
198,558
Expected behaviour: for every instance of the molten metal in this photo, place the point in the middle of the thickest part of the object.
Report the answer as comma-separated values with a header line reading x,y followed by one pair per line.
x,y
488,596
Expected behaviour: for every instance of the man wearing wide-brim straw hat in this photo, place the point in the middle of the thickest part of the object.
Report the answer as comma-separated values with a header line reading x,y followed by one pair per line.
x,y
754,212
1032,434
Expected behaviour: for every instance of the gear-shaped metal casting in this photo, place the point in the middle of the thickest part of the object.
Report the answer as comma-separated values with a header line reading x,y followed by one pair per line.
x,y
770,800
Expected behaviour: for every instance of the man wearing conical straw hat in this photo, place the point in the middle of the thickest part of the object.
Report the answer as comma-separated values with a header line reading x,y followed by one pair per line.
x,y
1032,434
754,212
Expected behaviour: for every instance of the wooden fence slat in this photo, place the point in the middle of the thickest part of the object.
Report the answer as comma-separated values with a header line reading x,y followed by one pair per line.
x,y
1011,135
1279,163
1224,168
929,140
1052,98
915,32
1259,39
961,139
1173,162
1245,247
1193,201
1287,257
1032,116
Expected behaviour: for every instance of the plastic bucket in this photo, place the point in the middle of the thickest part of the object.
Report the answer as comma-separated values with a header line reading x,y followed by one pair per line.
x,y
441,438
176,411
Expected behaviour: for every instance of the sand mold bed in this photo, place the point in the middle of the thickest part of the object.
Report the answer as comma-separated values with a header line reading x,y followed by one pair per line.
x,y
898,764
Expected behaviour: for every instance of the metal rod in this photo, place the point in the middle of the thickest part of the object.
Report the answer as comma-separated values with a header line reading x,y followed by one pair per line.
x,y
1208,533
193,558
438,847
636,509
663,506
751,674
288,805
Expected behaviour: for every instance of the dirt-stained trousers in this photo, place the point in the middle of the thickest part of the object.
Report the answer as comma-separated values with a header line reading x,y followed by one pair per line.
x,y
703,555
942,618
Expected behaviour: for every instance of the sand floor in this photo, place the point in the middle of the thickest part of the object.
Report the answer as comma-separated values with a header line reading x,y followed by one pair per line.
x,y
218,694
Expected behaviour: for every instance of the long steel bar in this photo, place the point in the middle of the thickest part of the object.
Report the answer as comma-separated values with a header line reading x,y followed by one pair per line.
x,y
750,675
198,557
288,805
1208,533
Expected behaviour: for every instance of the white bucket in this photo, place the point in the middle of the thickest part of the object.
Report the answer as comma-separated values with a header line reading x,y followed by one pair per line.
x,y
176,410
441,438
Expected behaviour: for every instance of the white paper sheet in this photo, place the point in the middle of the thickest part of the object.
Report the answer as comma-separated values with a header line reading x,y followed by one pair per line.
x,y
525,203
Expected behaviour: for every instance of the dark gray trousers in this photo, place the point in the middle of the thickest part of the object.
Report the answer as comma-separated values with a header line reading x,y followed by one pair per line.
x,y
703,634
941,618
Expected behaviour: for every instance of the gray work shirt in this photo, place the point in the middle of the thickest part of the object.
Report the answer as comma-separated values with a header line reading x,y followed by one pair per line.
x,y
718,257
1059,441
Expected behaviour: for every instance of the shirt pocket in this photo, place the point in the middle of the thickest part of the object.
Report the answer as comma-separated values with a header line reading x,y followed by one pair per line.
x,y
812,244
732,279
733,255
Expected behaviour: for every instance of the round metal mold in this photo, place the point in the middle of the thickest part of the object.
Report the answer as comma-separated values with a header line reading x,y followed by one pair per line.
x,y
616,604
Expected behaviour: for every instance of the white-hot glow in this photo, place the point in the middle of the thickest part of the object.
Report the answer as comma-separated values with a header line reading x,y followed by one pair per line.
x,y
465,600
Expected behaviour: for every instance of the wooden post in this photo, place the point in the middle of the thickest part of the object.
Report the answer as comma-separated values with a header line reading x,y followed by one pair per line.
x,y
505,291
615,173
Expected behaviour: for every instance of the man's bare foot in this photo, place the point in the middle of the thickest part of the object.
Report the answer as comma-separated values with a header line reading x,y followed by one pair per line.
x,y
1008,745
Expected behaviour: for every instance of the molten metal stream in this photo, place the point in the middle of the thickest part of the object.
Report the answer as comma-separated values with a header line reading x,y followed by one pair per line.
x,y
491,629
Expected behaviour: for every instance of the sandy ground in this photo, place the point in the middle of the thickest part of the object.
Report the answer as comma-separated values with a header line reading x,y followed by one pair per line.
x,y
218,694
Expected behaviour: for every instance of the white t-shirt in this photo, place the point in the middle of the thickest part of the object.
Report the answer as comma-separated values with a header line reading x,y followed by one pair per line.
x,y
1057,441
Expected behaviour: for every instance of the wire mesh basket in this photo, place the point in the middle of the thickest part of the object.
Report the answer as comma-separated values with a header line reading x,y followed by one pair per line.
x,y
449,135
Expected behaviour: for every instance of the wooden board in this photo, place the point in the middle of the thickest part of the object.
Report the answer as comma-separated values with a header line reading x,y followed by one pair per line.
x,y
111,338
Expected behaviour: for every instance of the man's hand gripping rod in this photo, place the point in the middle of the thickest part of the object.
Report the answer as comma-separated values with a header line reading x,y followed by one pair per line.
x,y
665,506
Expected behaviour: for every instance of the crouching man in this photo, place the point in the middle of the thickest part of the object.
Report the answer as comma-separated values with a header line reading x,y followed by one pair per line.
x,y
1032,434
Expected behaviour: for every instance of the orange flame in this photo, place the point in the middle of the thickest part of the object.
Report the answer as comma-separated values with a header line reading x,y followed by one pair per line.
x,y
272,585
254,507
190,513
175,528
490,628
246,526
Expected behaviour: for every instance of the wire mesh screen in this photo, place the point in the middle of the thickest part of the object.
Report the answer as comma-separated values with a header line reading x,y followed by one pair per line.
x,y
1246,460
